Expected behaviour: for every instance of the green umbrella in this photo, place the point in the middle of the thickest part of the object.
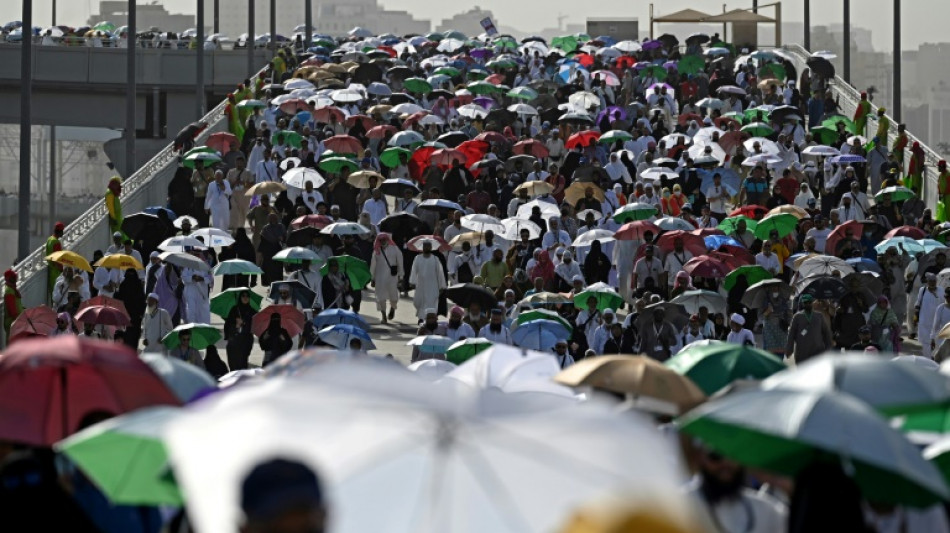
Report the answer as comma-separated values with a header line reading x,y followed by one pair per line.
x,y
607,297
713,365
782,222
898,194
390,156
417,85
613,136
543,314
326,43
202,336
728,225
737,116
784,431
455,34
207,158
232,267
223,302
691,64
125,457
772,70
524,93
502,63
656,71
754,114
758,129
825,135
105,26
482,87
832,123
291,138
336,164
634,211
435,36
568,43
451,72
251,103
464,350
355,268
752,273
477,74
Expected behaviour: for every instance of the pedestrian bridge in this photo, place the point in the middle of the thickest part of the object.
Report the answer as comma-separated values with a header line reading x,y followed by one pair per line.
x,y
148,186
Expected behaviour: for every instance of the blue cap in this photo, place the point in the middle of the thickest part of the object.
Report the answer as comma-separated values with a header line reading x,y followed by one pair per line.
x,y
274,486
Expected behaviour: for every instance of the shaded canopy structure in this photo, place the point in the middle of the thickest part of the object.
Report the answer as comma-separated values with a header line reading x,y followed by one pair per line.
x,y
741,17
683,16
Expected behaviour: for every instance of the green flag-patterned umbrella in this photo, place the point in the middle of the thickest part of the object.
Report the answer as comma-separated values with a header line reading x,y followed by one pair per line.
x,y
543,314
607,297
898,194
772,70
634,211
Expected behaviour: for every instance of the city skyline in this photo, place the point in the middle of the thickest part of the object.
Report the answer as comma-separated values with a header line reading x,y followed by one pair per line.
x,y
525,16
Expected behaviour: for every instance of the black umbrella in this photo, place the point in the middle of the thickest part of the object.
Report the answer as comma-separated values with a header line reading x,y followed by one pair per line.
x,y
399,73
500,117
404,226
755,297
367,73
302,237
187,134
298,291
523,160
869,285
488,163
398,187
668,40
825,287
466,293
544,101
452,138
781,113
535,38
139,225
400,98
590,174
550,116
675,314
821,66
441,92
715,84
697,38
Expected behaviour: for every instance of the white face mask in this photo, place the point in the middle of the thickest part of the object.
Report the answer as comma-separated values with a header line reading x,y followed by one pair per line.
x,y
775,295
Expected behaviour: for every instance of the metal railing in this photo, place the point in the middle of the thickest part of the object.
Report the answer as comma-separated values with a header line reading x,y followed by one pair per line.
x,y
848,98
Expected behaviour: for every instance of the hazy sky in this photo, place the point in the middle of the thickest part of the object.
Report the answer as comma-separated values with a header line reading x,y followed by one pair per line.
x,y
924,20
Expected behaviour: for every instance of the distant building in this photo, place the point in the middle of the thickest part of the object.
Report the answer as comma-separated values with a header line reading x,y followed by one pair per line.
x,y
146,15
617,28
468,22
330,17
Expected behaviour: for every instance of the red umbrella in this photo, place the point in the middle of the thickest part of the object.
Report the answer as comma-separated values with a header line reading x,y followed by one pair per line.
x,y
706,267
531,147
223,142
692,243
582,138
852,227
584,59
105,300
103,315
49,385
706,232
491,137
415,244
686,117
474,151
752,211
389,50
906,231
414,118
733,259
33,322
496,79
730,140
368,122
291,319
344,144
446,156
316,221
324,113
378,132
294,105
419,162
633,231
625,62
725,122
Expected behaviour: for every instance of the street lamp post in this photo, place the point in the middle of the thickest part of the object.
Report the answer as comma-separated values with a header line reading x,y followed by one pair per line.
x,y
846,38
26,122
251,41
273,23
897,60
130,92
807,25
308,20
200,62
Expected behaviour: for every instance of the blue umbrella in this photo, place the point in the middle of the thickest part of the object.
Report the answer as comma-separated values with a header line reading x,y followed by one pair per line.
x,y
847,158
539,334
340,335
713,242
154,209
910,245
931,245
304,117
863,264
332,317
730,179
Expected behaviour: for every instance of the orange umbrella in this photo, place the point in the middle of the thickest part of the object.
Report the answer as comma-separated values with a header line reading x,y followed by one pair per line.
x,y
291,319
36,321
223,142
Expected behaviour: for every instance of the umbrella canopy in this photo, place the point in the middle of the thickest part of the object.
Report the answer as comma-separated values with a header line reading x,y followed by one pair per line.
x,y
606,296
713,365
301,294
757,294
539,334
694,244
296,255
125,457
267,187
398,187
431,344
103,315
823,265
466,293
49,385
291,319
213,237
184,379
332,317
706,267
340,335
438,244
693,300
515,225
353,268
222,302
236,266
179,260
633,231
122,262
70,259
649,384
634,211
403,226
464,350
784,431
202,336
299,176
752,273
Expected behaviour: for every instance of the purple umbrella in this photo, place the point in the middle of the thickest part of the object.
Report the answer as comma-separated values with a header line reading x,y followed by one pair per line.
x,y
485,102
651,45
613,113
481,53
670,65
642,65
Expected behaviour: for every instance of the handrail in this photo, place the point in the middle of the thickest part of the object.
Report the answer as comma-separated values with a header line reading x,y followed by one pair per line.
x,y
848,100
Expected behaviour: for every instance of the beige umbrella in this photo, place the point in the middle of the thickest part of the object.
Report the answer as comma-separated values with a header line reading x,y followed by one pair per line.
x,y
793,210
266,187
474,238
535,188
577,190
360,179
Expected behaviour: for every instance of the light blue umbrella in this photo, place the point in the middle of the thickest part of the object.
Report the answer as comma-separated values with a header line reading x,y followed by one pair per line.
x,y
236,266
910,245
930,245
340,335
539,334
332,317
715,241
431,344
296,254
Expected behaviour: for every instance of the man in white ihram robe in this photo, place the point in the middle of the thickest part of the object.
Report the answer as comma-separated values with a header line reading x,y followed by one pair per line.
x,y
429,279
218,202
195,296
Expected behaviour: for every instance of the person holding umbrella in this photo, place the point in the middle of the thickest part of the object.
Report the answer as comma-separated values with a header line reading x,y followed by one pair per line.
x,y
237,332
275,341
53,245
808,333
156,323
184,351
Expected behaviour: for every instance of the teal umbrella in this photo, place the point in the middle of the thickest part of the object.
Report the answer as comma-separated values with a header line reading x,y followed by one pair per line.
x,y
236,266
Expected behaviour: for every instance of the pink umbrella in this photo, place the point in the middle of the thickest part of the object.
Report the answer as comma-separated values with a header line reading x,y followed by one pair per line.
x,y
445,156
292,106
378,132
351,121
291,319
531,147
324,113
223,142
344,144
103,315
47,386
706,267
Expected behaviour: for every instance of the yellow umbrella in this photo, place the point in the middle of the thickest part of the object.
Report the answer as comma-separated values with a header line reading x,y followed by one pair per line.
x,y
70,259
266,187
120,261
793,210
577,189
535,188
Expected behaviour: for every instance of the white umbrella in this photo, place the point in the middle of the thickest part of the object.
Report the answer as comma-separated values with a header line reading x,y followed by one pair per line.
x,y
672,223
184,261
514,225
406,108
298,83
765,159
657,173
432,369
289,163
299,176
346,96
628,46
548,209
511,369
823,265
478,222
345,228
584,99
212,237
712,150
711,103
768,147
181,244
449,45
431,120
406,138
598,215
673,139
821,150
472,111
585,239
522,109
180,220
693,300
430,458
379,89
705,135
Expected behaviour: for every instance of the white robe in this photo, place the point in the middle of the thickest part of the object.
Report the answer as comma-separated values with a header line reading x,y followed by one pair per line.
x,y
429,278
218,200
195,296
927,302
387,285
313,280
941,319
